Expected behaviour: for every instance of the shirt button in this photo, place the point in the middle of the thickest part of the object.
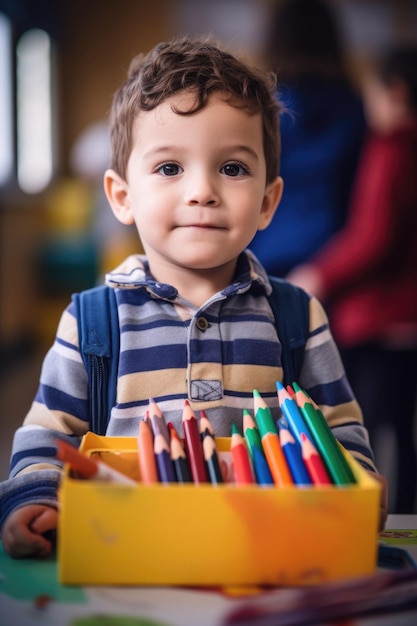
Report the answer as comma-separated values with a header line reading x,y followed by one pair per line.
x,y
202,323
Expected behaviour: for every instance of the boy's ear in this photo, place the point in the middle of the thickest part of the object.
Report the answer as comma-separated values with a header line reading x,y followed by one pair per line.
x,y
273,194
117,192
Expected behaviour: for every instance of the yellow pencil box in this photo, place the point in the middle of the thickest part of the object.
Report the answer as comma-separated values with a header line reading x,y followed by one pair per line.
x,y
176,534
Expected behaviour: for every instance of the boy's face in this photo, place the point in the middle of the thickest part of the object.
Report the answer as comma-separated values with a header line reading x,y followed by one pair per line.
x,y
195,185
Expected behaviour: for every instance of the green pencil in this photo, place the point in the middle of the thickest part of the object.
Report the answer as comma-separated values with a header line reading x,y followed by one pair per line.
x,y
251,432
324,439
257,455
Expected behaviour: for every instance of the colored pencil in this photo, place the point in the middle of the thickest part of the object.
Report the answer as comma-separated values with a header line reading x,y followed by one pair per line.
x,y
290,390
163,459
292,413
292,452
178,456
86,467
211,459
250,431
324,439
314,463
193,445
242,467
253,440
147,419
210,453
147,462
157,420
270,442
205,426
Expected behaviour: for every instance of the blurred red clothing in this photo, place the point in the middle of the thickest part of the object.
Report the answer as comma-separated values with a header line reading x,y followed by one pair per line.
x,y
369,270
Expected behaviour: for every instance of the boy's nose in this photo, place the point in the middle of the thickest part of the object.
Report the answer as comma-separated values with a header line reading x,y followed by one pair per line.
x,y
201,191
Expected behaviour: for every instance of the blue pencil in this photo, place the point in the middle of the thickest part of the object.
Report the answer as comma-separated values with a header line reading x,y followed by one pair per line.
x,y
260,466
292,452
163,460
290,410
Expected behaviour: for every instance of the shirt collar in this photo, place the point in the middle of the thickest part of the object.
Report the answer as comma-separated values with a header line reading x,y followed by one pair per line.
x,y
134,273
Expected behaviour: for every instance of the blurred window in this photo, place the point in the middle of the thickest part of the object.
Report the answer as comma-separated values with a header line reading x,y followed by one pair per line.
x,y
6,99
34,111
27,111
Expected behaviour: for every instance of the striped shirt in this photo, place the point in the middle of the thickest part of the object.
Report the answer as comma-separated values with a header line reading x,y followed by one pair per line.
x,y
214,356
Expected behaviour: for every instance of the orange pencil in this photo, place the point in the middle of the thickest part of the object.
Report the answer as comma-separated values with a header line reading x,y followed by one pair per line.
x,y
242,467
313,462
147,419
87,467
193,445
146,456
270,443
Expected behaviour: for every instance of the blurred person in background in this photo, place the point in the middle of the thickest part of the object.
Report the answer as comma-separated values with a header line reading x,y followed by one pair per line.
x,y
367,274
322,130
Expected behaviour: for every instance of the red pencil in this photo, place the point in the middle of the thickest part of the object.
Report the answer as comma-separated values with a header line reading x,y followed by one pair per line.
x,y
313,462
193,445
242,467
290,390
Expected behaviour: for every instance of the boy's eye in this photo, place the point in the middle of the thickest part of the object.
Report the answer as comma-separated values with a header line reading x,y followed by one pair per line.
x,y
234,169
169,169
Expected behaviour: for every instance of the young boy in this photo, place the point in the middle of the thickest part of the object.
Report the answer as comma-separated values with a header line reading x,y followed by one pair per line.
x,y
195,157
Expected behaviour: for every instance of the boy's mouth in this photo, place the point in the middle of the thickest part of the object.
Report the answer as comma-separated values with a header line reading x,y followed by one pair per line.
x,y
204,226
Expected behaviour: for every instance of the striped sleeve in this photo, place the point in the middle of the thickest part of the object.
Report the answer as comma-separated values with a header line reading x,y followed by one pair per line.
x,y
324,378
60,407
38,487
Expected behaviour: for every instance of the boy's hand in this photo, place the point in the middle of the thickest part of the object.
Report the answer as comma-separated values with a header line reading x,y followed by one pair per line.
x,y
383,510
23,531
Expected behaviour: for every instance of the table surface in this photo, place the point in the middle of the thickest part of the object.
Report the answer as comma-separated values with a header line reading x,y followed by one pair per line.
x,y
30,595
403,522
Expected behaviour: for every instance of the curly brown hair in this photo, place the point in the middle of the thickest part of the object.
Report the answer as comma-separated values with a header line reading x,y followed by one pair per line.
x,y
203,68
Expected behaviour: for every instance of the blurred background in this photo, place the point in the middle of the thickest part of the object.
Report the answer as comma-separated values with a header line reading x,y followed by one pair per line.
x,y
60,64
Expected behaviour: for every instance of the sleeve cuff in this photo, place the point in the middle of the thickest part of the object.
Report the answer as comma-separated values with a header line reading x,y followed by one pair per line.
x,y
38,487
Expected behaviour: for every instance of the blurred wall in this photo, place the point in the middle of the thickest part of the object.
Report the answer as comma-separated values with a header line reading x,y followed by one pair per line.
x,y
95,41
